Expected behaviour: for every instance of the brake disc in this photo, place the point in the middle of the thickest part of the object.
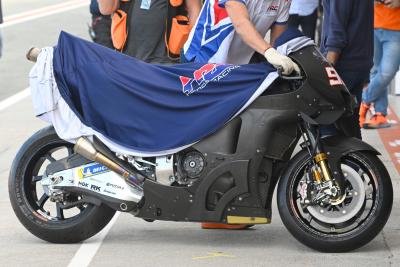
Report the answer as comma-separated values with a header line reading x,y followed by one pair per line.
x,y
346,211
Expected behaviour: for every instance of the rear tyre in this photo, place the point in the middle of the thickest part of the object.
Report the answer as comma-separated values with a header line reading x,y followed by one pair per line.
x,y
343,227
43,218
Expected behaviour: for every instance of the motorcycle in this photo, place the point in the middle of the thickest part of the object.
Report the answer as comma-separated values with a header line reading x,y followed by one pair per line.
x,y
334,195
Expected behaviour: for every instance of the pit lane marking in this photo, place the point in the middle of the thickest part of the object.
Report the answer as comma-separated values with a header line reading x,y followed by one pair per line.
x,y
213,255
86,252
389,137
43,12
14,99
395,143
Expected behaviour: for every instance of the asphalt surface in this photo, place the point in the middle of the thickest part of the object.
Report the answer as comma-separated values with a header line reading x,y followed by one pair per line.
x,y
132,241
18,38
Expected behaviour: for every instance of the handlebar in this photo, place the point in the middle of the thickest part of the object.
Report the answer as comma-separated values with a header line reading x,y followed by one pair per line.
x,y
288,77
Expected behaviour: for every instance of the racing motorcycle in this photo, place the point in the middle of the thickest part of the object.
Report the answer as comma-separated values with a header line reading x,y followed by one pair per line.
x,y
334,195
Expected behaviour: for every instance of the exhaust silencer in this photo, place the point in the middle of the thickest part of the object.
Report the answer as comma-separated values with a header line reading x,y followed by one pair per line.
x,y
85,148
33,54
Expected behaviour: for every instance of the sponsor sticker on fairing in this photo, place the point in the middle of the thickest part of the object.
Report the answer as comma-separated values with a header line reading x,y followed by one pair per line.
x,y
203,76
333,76
91,187
91,170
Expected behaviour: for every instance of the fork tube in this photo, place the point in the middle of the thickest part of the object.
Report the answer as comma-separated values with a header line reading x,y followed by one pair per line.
x,y
318,154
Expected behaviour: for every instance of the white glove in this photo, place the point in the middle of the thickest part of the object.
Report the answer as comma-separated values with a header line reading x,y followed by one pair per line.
x,y
281,61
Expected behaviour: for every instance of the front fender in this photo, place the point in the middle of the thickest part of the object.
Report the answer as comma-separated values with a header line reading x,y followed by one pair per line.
x,y
339,146
345,145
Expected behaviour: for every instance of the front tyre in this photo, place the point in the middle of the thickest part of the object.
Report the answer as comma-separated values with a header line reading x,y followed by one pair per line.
x,y
346,226
46,219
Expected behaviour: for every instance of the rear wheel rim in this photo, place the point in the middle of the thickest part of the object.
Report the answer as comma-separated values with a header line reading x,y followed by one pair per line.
x,y
37,200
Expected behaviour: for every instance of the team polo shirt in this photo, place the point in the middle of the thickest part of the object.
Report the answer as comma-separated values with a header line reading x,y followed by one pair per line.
x,y
387,18
146,34
303,7
213,38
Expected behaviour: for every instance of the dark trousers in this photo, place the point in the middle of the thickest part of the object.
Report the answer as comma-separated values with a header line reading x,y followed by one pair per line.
x,y
354,81
308,23
101,26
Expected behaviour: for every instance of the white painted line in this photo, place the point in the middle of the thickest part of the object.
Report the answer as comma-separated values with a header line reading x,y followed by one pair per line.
x,y
397,142
14,99
392,144
43,12
397,154
88,250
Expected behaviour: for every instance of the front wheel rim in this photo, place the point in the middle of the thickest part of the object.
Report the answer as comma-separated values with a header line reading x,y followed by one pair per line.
x,y
360,219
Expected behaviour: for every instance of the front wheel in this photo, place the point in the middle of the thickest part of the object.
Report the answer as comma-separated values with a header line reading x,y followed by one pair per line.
x,y
337,227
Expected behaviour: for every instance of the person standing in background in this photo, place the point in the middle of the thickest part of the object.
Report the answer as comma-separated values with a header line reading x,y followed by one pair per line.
x,y
100,30
231,31
347,42
304,13
386,63
147,26
1,21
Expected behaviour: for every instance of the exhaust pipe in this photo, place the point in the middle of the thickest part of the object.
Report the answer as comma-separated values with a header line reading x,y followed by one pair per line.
x,y
85,148
33,54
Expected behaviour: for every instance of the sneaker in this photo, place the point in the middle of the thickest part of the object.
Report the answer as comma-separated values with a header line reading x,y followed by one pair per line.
x,y
376,122
364,108
225,226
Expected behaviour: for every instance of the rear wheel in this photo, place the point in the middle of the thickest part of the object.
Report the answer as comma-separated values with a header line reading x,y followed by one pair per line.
x,y
337,227
44,218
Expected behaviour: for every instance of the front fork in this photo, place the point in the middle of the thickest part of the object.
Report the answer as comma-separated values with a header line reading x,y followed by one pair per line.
x,y
321,172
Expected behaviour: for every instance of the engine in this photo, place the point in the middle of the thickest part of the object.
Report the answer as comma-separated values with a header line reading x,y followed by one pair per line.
x,y
179,169
190,166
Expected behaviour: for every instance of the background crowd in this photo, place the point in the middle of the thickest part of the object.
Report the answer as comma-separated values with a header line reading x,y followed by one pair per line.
x,y
361,38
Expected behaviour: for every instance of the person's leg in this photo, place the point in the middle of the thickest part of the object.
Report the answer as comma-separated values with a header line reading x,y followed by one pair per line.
x,y
378,52
355,82
377,59
309,24
378,89
388,67
381,104
294,21
364,106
